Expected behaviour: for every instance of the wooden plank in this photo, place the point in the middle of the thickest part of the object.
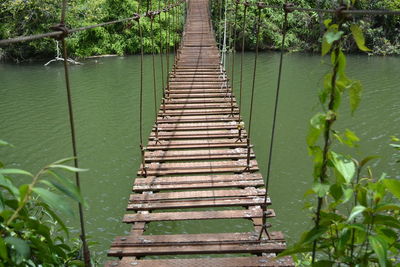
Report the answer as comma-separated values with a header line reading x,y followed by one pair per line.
x,y
239,184
199,203
196,215
160,169
273,247
206,262
145,197
173,180
194,239
181,155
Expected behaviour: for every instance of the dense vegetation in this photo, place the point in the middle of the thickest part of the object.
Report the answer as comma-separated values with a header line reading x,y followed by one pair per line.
x,y
36,16
306,29
355,212
32,231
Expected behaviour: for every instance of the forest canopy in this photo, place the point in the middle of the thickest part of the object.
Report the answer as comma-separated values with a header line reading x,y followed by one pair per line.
x,y
25,17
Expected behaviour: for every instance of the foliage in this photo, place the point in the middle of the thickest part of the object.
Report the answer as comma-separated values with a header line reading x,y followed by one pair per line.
x,y
36,16
306,28
357,214
30,226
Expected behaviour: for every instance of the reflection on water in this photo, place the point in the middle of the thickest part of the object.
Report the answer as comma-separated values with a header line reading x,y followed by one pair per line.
x,y
105,95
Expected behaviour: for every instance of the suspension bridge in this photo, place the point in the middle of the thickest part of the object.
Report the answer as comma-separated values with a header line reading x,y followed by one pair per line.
x,y
198,163
198,156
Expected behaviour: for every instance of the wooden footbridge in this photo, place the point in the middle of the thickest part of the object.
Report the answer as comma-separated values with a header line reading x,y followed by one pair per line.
x,y
197,157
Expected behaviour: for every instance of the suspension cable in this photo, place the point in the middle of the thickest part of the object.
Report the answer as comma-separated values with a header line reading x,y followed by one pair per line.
x,y
258,23
142,148
161,47
246,4
154,73
237,2
265,226
86,252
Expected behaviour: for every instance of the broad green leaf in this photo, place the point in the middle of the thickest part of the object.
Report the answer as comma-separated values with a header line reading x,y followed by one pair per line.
x,y
20,246
351,136
53,200
326,47
1,165
3,249
343,165
355,90
68,168
359,37
332,36
356,211
15,171
321,189
380,247
393,186
336,191
317,124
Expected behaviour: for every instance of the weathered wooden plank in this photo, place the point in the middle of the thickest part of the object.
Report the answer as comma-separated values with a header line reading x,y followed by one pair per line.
x,y
180,155
191,239
146,197
199,203
172,180
203,143
239,184
206,262
267,247
196,215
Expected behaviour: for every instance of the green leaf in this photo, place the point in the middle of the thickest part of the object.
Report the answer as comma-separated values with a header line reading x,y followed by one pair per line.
x,y
61,161
393,186
317,124
313,234
359,37
20,246
323,263
8,185
356,211
23,190
343,165
332,36
3,249
15,171
68,168
355,90
336,191
380,247
4,143
54,201
321,188
55,217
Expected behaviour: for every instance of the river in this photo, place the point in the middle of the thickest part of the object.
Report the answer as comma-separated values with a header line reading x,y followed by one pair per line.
x,y
34,118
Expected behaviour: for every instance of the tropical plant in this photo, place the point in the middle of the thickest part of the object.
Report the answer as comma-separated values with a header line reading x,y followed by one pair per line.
x,y
32,233
357,214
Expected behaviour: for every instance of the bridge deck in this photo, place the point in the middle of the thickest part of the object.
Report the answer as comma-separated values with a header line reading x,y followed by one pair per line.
x,y
199,154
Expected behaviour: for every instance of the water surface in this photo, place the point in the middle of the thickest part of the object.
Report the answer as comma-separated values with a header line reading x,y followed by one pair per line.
x,y
33,110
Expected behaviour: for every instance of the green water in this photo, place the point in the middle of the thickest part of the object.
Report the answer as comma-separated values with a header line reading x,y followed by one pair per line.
x,y
106,101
